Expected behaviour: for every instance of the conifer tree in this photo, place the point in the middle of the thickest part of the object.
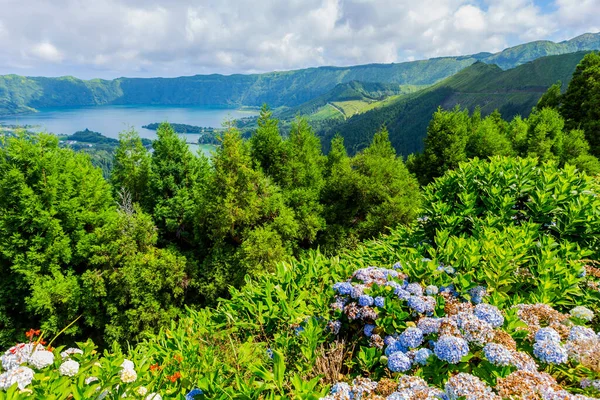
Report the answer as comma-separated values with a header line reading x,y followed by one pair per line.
x,y
175,180
581,102
131,166
248,224
389,194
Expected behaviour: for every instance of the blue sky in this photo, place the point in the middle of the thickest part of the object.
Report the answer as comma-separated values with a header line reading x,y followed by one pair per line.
x,y
111,38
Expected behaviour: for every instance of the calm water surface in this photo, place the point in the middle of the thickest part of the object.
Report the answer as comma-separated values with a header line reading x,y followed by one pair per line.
x,y
110,120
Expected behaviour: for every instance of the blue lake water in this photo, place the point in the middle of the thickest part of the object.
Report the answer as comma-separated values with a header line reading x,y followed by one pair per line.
x,y
110,120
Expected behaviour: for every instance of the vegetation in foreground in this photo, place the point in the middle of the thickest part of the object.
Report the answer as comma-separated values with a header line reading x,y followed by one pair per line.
x,y
492,292
495,301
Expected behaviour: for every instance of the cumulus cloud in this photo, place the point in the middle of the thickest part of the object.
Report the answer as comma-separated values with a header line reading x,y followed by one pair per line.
x,y
109,38
46,51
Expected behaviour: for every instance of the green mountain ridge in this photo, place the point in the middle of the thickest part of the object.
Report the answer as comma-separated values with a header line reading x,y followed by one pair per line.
x,y
512,92
20,94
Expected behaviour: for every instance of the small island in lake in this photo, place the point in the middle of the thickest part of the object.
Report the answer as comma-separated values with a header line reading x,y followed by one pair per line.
x,y
207,135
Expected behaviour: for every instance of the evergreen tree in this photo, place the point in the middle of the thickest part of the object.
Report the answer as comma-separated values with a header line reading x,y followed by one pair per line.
x,y
131,166
339,197
248,224
517,135
303,179
266,145
489,140
445,144
581,102
552,97
388,193
176,179
50,198
545,135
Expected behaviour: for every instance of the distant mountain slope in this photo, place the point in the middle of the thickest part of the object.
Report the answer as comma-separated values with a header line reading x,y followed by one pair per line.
x,y
513,92
521,54
354,92
289,88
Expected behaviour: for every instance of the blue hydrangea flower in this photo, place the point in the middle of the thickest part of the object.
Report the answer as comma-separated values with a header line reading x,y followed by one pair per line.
x,y
417,304
193,393
391,273
402,294
368,330
422,356
477,294
298,330
397,266
581,333
399,362
357,291
343,288
379,301
547,334
449,289
451,348
341,388
394,347
388,340
270,353
550,352
334,326
429,325
415,289
498,354
431,290
489,314
365,300
411,337
583,313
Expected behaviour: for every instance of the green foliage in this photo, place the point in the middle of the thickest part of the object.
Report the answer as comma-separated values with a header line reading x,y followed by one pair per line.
x,y
68,251
131,167
367,194
507,191
551,98
581,102
513,92
175,177
454,136
49,199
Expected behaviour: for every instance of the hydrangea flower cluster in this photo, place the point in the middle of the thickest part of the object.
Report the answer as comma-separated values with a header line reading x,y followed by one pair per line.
x,y
582,313
128,373
33,354
444,327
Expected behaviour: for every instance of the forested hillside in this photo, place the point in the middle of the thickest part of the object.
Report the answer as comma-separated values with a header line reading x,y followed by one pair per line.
x,y
291,88
512,92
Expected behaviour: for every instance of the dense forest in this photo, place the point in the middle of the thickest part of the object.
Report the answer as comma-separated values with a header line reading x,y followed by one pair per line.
x,y
253,274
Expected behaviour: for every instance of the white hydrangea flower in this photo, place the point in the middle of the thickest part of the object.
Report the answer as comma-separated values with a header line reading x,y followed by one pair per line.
x,y
22,376
91,379
127,364
41,359
154,396
141,391
19,354
583,313
128,375
71,350
69,368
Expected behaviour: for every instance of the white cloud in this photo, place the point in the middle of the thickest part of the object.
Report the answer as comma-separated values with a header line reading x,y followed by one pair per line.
x,y
46,51
109,38
469,18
